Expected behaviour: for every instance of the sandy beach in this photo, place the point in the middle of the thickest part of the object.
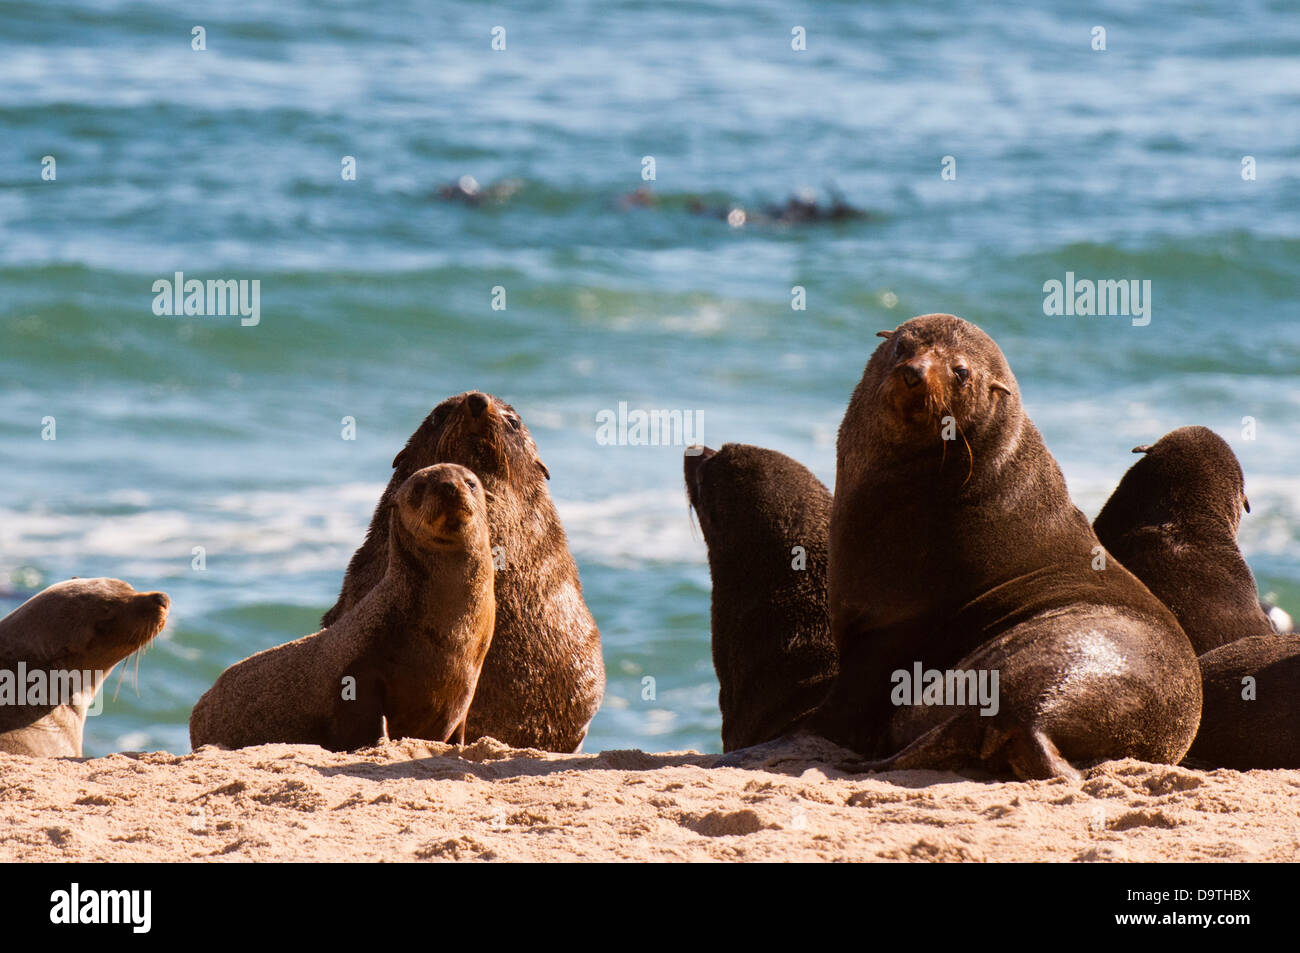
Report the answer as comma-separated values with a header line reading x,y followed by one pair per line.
x,y
413,801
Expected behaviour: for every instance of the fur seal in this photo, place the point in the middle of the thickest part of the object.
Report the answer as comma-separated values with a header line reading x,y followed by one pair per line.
x,y
413,646
544,677
955,547
81,626
803,207
467,191
1261,729
766,521
1172,521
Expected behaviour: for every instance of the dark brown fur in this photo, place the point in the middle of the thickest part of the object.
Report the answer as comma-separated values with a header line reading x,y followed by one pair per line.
x,y
772,646
544,677
82,625
967,553
1172,522
1258,732
413,646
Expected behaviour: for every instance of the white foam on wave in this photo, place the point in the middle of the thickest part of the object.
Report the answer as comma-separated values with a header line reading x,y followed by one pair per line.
x,y
317,528
309,530
633,529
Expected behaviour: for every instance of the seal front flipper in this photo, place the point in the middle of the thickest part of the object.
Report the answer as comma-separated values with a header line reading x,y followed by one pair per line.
x,y
358,722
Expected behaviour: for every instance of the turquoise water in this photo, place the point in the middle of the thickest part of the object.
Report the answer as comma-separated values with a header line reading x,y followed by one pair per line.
x,y
177,432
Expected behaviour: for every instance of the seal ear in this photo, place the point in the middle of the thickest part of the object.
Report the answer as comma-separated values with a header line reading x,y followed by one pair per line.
x,y
1142,449
997,385
541,466
1245,502
401,455
885,334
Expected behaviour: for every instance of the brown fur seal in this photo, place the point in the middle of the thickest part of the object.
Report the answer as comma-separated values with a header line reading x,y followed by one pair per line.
x,y
413,646
967,555
1253,724
544,676
1172,522
81,626
772,645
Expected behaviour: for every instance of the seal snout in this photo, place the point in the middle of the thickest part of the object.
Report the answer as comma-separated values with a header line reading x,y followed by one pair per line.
x,y
477,402
914,371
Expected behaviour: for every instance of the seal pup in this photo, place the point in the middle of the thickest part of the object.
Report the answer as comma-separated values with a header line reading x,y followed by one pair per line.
x,y
955,547
75,632
1255,723
403,662
544,677
1172,521
766,521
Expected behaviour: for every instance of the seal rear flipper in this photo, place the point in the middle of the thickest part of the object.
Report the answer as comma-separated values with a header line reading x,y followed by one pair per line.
x,y
1034,756
358,722
962,743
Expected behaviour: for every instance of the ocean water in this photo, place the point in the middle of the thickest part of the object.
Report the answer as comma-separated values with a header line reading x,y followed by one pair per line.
x,y
376,297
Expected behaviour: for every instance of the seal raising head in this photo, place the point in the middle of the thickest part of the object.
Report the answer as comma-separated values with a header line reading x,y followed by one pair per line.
x,y
544,676
82,626
1172,522
766,520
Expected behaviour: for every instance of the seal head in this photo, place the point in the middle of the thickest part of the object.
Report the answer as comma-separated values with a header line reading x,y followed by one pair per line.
x,y
1172,521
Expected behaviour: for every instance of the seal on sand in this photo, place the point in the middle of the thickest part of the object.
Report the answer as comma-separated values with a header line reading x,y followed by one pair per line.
x,y
544,676
1256,723
1172,521
766,521
954,545
406,658
74,633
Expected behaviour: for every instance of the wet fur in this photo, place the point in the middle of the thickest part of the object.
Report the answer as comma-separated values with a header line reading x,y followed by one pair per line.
x,y
981,557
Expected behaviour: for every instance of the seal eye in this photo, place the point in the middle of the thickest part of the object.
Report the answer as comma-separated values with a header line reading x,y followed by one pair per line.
x,y
514,422
962,374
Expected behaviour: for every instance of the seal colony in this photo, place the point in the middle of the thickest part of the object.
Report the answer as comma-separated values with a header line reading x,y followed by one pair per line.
x,y
948,607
